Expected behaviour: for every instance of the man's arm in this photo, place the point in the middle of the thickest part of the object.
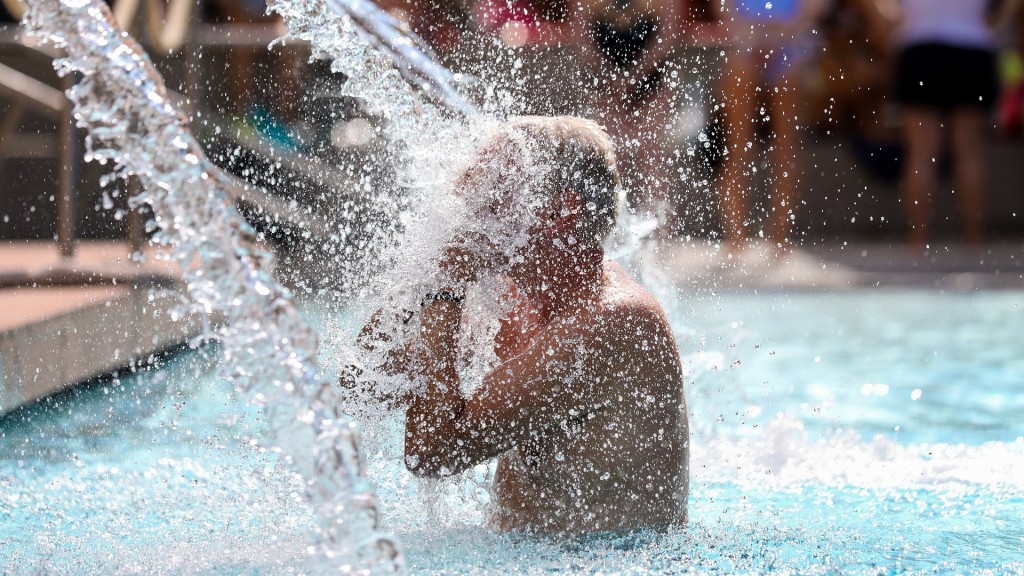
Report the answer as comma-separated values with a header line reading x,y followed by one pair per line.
x,y
378,336
387,332
553,379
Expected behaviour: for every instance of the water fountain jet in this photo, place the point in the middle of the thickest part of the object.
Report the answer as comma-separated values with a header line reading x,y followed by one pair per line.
x,y
122,101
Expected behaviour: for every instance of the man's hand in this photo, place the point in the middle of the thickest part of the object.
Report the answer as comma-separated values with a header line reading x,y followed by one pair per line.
x,y
469,254
386,357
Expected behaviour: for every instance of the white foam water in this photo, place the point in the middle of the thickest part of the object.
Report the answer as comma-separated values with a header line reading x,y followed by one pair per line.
x,y
785,454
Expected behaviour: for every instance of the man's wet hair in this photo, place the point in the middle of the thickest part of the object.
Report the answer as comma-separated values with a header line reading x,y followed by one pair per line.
x,y
580,156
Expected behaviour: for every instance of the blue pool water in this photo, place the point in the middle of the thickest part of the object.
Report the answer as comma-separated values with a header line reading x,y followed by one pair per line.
x,y
873,432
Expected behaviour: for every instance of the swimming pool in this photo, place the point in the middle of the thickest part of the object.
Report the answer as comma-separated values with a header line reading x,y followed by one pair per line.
x,y
870,431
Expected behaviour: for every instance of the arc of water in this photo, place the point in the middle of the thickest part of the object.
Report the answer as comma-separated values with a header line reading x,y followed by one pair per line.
x,y
416,61
122,101
386,65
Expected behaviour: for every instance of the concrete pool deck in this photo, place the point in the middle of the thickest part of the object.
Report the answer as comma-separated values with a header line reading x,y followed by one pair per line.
x,y
706,265
66,320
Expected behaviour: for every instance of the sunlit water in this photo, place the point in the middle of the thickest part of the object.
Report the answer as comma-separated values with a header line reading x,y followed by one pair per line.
x,y
868,432
854,432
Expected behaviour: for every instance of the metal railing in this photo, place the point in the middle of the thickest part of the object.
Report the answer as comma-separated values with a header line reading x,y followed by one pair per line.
x,y
174,32
27,93
173,28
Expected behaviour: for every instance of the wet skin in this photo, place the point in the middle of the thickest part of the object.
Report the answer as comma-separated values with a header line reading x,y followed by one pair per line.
x,y
610,451
585,412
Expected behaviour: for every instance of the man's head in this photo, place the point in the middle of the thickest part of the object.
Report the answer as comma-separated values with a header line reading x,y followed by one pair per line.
x,y
580,179
548,175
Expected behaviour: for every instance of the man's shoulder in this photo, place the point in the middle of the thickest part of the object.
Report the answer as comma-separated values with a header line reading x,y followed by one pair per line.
x,y
623,295
628,307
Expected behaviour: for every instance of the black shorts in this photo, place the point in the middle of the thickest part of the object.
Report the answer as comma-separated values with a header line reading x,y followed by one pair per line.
x,y
944,77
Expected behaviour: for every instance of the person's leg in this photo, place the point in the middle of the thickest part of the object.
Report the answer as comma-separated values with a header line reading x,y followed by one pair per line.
x,y
289,80
785,147
969,154
922,138
241,79
241,72
738,87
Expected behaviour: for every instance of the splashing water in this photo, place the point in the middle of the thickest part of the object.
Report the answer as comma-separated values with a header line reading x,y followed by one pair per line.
x,y
788,525
430,143
447,174
123,103
451,170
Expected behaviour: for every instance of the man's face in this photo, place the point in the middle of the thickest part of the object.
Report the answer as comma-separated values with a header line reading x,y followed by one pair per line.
x,y
506,211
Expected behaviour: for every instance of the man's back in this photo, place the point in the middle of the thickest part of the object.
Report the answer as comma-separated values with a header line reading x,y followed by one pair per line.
x,y
622,461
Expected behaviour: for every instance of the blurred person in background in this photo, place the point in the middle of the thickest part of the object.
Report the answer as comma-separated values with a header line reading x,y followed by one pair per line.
x,y
628,45
531,57
852,88
623,51
440,23
770,42
519,23
1011,65
947,82
267,110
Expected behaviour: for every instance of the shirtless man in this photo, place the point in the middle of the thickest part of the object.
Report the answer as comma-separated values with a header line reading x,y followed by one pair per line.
x,y
585,411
